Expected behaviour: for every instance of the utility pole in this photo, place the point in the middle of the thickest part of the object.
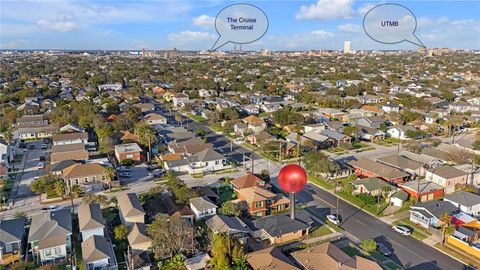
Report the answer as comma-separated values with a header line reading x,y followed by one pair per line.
x,y
253,162
336,187
280,152
231,146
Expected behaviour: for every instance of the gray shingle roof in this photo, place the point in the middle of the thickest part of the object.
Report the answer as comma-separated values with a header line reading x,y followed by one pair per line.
x,y
51,228
282,223
96,248
437,208
11,230
90,217
221,223
464,198
202,203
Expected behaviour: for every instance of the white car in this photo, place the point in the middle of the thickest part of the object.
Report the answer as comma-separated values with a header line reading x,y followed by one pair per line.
x,y
41,165
125,174
334,219
51,208
36,178
123,168
402,230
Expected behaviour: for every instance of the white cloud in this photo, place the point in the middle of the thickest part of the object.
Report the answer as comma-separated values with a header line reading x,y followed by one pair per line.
x,y
61,25
186,36
204,21
365,8
15,44
322,34
326,10
350,28
443,19
463,22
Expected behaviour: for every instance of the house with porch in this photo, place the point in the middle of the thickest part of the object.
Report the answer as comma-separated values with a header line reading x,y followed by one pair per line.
x,y
428,214
12,235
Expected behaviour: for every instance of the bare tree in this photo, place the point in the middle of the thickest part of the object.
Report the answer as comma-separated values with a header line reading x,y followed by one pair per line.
x,y
170,235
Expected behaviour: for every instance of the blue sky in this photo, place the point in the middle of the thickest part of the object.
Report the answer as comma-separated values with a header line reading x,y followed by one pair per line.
x,y
294,25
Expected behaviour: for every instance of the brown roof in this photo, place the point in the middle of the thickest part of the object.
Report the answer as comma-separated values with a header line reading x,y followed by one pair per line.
x,y
328,256
246,181
377,168
81,170
154,116
270,258
138,234
371,108
171,156
69,136
68,148
252,119
128,136
447,172
255,194
90,217
129,205
96,248
159,90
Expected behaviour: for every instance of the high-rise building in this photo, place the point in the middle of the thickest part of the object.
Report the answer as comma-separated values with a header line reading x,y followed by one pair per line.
x,y
346,47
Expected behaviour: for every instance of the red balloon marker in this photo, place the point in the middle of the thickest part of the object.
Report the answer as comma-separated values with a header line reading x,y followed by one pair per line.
x,y
292,178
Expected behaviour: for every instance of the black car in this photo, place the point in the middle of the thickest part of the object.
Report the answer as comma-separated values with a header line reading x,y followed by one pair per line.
x,y
31,146
42,158
383,249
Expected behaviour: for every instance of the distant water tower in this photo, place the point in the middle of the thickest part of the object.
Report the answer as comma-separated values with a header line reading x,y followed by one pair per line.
x,y
346,47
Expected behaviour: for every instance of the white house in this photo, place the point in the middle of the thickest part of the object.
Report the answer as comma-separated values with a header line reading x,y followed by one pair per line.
x,y
155,119
97,253
400,132
91,221
466,201
179,99
70,138
447,177
202,207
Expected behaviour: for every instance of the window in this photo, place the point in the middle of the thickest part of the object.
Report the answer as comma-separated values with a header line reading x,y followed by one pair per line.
x,y
76,181
258,204
58,250
48,252
130,156
86,179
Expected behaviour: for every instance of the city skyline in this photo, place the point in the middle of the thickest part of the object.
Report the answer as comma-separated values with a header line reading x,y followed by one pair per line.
x,y
188,25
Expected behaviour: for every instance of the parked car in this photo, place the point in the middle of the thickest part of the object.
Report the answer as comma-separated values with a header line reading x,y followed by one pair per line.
x,y
41,158
44,146
404,230
334,219
31,146
125,174
36,178
51,208
157,172
383,249
123,168
41,165
153,167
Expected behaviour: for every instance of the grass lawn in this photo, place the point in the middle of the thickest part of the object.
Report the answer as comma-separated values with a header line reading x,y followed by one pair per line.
x,y
196,118
358,145
320,231
419,233
324,184
388,142
452,252
371,208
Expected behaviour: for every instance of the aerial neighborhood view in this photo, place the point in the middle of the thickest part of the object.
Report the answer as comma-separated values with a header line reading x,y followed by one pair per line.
x,y
271,135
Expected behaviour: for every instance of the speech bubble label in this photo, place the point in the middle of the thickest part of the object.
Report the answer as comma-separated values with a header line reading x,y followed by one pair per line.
x,y
241,24
390,24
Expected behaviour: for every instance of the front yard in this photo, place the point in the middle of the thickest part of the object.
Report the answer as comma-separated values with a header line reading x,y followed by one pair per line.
x,y
418,232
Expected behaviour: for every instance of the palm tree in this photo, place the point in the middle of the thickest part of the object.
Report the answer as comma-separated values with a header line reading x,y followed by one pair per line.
x,y
109,173
60,187
147,136
178,118
351,131
447,227
76,191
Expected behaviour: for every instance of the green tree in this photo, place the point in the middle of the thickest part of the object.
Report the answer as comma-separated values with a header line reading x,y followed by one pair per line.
x,y
447,227
147,136
76,191
94,198
121,232
177,262
220,252
109,174
316,163
351,131
60,187
229,208
170,235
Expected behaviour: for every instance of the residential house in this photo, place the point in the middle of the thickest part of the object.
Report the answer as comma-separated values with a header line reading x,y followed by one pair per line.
x,y
447,177
110,86
36,120
371,122
155,119
12,235
391,108
428,214
315,140
259,138
248,180
365,167
34,133
50,234
70,138
131,210
206,161
278,229
372,186
87,176
254,123
370,134
234,227
403,163
270,258
97,253
262,202
202,207
335,137
401,132
423,190
328,256
467,202
129,151
76,151
145,107
139,261
138,238
90,220
250,109
399,198
179,99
